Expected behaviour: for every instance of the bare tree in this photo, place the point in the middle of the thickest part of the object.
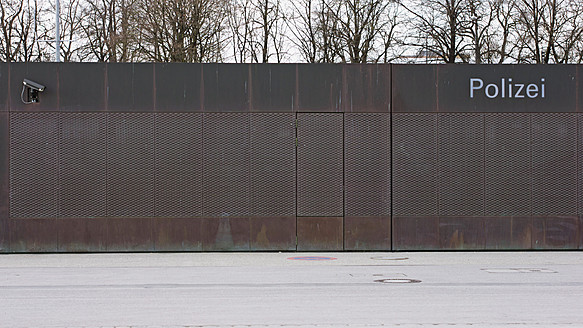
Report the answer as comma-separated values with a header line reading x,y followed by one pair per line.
x,y
182,30
21,28
478,28
110,29
439,26
313,30
360,23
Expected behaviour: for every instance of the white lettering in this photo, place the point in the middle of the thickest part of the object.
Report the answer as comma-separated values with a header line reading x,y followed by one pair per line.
x,y
474,87
488,94
532,91
518,92
506,88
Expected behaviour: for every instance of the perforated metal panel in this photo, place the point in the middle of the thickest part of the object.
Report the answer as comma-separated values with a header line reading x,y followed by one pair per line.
x,y
226,164
130,165
178,165
508,174
554,159
320,167
83,165
461,164
273,165
367,164
34,169
415,164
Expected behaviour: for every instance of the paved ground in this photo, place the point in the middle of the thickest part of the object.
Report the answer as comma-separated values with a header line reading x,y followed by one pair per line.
x,y
269,290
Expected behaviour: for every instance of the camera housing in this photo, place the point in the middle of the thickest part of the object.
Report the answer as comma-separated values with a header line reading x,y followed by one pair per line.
x,y
31,90
33,85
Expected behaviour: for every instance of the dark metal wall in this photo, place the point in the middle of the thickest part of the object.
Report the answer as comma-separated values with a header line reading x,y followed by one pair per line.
x,y
233,157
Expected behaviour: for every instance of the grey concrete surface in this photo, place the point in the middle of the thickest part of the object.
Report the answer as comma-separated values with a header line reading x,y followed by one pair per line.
x,y
534,289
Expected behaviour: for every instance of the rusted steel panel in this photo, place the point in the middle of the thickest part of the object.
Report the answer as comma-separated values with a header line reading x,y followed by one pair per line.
x,y
319,88
226,234
462,233
414,88
129,234
33,235
82,234
46,74
555,232
4,87
34,169
367,164
415,233
130,87
508,233
178,87
130,165
367,88
179,165
508,170
580,164
273,164
372,233
177,234
83,165
226,165
82,87
4,181
554,159
415,165
273,87
320,234
506,88
320,164
276,233
580,88
226,87
461,164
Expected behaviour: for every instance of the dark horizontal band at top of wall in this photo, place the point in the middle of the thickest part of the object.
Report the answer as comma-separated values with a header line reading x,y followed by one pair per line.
x,y
180,87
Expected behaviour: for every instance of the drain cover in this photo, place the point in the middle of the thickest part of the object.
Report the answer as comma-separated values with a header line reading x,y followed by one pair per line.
x,y
398,281
312,258
518,270
388,258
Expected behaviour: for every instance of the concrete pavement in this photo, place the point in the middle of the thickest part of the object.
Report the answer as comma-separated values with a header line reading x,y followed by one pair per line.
x,y
506,289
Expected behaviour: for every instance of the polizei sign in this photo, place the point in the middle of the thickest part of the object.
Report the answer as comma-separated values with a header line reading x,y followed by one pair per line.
x,y
507,88
486,88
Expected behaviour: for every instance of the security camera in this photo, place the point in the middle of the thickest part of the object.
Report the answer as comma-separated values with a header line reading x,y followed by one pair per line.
x,y
33,85
30,90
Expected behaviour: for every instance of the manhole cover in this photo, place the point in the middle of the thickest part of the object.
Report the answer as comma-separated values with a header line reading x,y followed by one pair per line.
x,y
398,281
388,258
312,258
519,270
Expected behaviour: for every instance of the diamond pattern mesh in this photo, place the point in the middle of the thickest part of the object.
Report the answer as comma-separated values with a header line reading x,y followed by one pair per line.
x,y
415,164
461,164
83,164
554,159
226,164
367,167
320,167
508,174
34,168
273,165
179,165
130,165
